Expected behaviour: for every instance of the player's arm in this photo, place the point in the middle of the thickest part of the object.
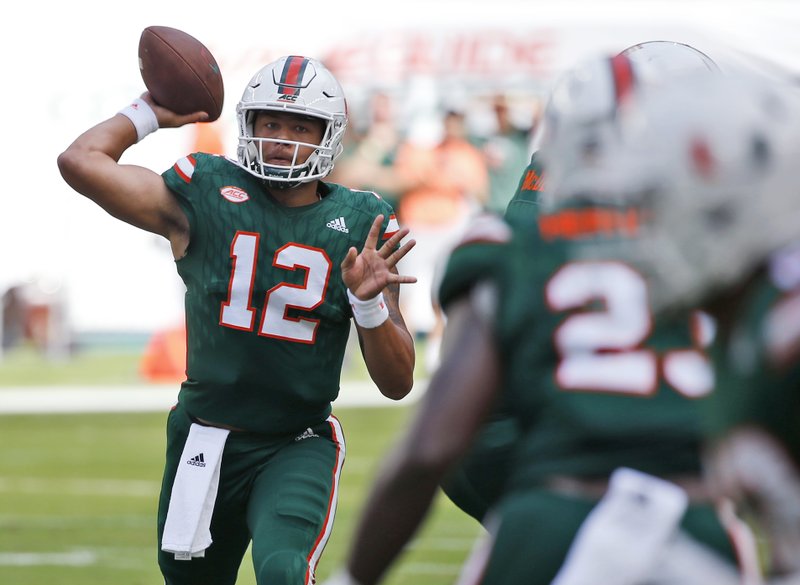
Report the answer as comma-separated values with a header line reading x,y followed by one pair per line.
x,y
388,350
134,194
373,285
459,397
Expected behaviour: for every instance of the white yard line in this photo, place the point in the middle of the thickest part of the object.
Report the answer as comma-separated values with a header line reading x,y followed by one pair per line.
x,y
80,487
154,398
77,558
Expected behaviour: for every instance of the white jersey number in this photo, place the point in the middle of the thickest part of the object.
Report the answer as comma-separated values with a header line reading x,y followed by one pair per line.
x,y
601,344
237,311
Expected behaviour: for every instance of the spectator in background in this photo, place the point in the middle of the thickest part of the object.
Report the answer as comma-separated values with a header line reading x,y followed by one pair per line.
x,y
35,312
506,151
369,163
14,316
444,185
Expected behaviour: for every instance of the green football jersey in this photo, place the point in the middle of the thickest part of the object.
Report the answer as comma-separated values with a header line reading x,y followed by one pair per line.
x,y
477,482
594,381
267,313
758,361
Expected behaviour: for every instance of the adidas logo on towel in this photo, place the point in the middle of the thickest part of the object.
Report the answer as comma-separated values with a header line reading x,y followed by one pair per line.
x,y
197,460
307,434
338,224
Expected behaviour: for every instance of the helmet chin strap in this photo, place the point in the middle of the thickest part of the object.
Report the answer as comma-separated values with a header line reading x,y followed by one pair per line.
x,y
281,185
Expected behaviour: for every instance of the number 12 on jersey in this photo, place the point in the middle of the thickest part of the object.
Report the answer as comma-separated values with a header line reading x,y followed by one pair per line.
x,y
238,312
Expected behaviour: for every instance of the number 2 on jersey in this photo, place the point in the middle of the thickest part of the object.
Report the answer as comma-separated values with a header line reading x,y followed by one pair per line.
x,y
237,311
601,344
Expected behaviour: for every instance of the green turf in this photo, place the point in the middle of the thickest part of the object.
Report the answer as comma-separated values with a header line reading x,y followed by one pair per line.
x,y
78,494
118,365
23,366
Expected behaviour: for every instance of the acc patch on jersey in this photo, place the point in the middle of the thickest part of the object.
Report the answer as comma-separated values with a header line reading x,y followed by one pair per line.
x,y
234,194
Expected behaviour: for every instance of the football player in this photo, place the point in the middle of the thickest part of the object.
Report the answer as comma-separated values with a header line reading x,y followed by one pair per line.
x,y
726,235
578,123
276,262
606,484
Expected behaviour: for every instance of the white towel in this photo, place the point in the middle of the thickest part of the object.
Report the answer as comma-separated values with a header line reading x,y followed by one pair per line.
x,y
620,540
187,531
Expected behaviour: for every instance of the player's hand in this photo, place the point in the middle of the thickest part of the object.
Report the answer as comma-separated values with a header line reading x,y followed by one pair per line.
x,y
367,273
753,470
169,119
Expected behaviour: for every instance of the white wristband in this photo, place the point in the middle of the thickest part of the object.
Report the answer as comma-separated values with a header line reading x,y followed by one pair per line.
x,y
143,117
370,313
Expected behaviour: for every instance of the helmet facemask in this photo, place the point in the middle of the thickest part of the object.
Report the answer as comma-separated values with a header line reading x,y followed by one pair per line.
x,y
318,164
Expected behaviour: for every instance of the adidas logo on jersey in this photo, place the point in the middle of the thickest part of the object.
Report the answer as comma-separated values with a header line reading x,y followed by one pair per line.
x,y
338,224
306,434
197,460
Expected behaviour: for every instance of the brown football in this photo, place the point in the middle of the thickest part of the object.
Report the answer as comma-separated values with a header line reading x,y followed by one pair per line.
x,y
180,72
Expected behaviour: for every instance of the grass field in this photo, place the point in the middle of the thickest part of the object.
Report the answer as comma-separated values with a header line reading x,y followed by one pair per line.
x,y
113,366
78,492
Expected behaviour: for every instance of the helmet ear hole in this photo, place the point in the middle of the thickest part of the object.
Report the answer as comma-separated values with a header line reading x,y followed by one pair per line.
x,y
252,152
249,121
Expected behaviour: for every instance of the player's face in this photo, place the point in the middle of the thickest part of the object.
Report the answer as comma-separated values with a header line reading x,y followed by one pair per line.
x,y
290,127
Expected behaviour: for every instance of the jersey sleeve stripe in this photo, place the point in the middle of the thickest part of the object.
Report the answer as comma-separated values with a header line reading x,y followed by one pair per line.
x,y
185,168
391,228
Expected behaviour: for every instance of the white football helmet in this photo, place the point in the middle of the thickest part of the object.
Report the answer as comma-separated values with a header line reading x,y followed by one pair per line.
x,y
713,162
655,61
579,121
297,85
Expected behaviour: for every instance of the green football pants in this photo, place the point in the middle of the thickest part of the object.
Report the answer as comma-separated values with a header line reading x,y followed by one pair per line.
x,y
537,527
279,492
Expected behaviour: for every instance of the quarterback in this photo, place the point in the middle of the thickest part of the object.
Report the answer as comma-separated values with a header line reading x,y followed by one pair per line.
x,y
275,262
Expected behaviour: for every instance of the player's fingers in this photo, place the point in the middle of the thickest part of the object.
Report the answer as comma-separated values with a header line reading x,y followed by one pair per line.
x,y
392,243
395,256
372,237
349,259
169,119
192,118
403,279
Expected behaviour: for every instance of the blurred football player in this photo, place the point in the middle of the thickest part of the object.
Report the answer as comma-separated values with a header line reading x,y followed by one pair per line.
x,y
578,124
583,103
275,263
725,234
606,484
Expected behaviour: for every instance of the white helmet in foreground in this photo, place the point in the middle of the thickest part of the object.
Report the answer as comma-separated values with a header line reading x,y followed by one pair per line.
x,y
579,122
656,61
295,85
714,164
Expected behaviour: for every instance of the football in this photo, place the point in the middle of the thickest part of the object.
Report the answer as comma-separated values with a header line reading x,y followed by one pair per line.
x,y
180,73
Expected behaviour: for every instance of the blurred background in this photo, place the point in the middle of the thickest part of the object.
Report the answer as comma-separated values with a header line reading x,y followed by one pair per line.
x,y
443,96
